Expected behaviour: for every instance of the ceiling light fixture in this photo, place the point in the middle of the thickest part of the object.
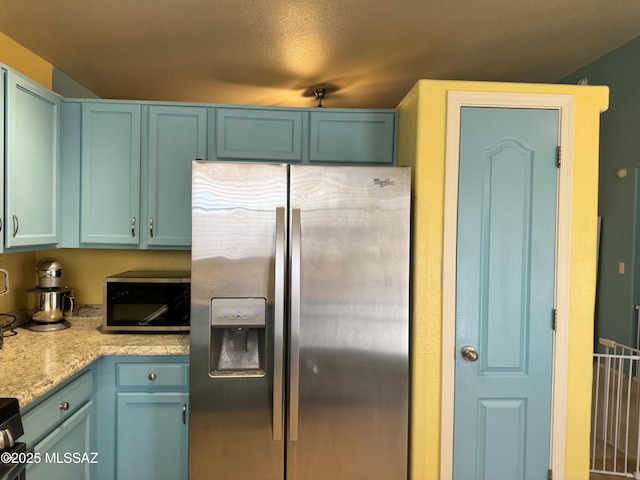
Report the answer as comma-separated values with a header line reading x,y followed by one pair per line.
x,y
319,93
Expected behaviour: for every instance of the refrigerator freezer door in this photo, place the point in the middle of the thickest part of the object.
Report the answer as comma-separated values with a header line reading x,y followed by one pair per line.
x,y
348,414
235,425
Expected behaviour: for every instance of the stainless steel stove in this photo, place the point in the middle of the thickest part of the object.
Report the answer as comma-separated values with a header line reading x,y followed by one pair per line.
x,y
13,454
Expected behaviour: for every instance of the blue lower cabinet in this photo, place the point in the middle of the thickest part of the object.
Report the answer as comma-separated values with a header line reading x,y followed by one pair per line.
x,y
122,418
67,451
143,420
152,436
60,427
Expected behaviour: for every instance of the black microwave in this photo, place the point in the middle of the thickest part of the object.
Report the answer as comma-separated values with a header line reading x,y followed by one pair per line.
x,y
147,301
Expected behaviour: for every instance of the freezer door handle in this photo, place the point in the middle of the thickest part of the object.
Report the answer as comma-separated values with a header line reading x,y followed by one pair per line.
x,y
294,339
278,324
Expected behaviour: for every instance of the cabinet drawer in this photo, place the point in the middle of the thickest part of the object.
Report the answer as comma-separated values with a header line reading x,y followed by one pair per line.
x,y
152,374
56,408
258,134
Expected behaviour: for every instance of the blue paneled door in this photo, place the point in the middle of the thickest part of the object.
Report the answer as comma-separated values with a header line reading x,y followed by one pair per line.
x,y
505,293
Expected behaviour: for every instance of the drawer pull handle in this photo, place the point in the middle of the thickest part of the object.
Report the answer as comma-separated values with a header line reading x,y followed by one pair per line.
x,y
64,406
152,376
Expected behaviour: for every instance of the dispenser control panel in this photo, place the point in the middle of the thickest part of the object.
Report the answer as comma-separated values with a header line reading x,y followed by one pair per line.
x,y
238,312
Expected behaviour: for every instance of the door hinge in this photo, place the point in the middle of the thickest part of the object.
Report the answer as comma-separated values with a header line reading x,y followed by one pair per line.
x,y
549,474
558,156
554,319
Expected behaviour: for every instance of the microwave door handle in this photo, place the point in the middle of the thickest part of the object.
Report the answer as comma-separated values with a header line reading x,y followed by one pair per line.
x,y
278,325
294,367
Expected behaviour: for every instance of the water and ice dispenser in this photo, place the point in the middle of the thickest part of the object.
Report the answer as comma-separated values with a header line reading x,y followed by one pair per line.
x,y
237,342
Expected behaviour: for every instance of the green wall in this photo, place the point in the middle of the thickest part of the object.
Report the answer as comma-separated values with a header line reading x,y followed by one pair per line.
x,y
619,198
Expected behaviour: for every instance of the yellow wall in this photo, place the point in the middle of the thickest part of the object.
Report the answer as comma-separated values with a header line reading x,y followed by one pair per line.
x,y
84,269
21,268
25,61
422,117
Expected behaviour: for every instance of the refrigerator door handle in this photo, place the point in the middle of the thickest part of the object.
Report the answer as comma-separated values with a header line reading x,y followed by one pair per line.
x,y
278,324
294,355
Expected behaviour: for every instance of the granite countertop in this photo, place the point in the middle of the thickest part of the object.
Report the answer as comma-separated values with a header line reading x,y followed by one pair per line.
x,y
32,363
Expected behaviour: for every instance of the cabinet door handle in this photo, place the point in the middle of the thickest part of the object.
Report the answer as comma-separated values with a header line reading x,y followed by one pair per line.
x,y
184,413
16,224
133,226
151,227
64,406
1,225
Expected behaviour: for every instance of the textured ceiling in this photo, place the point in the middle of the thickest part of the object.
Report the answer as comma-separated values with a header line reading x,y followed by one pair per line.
x,y
367,53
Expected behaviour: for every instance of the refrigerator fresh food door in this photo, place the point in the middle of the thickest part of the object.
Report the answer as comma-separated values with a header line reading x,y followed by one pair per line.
x,y
349,331
236,400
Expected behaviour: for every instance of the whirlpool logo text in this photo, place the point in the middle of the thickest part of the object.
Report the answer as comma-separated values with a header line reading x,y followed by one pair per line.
x,y
383,183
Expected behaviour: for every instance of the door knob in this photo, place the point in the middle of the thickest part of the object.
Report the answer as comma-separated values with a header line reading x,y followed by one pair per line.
x,y
469,353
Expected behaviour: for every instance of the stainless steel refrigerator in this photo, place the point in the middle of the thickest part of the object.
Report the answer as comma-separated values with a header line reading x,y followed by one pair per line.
x,y
299,322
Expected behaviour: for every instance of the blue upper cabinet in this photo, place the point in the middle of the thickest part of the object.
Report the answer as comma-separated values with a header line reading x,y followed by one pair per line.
x,y
361,137
176,136
259,134
120,171
127,165
358,137
110,174
135,172
32,164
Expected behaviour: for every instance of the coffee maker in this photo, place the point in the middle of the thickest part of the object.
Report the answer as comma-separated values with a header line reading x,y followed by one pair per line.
x,y
51,301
